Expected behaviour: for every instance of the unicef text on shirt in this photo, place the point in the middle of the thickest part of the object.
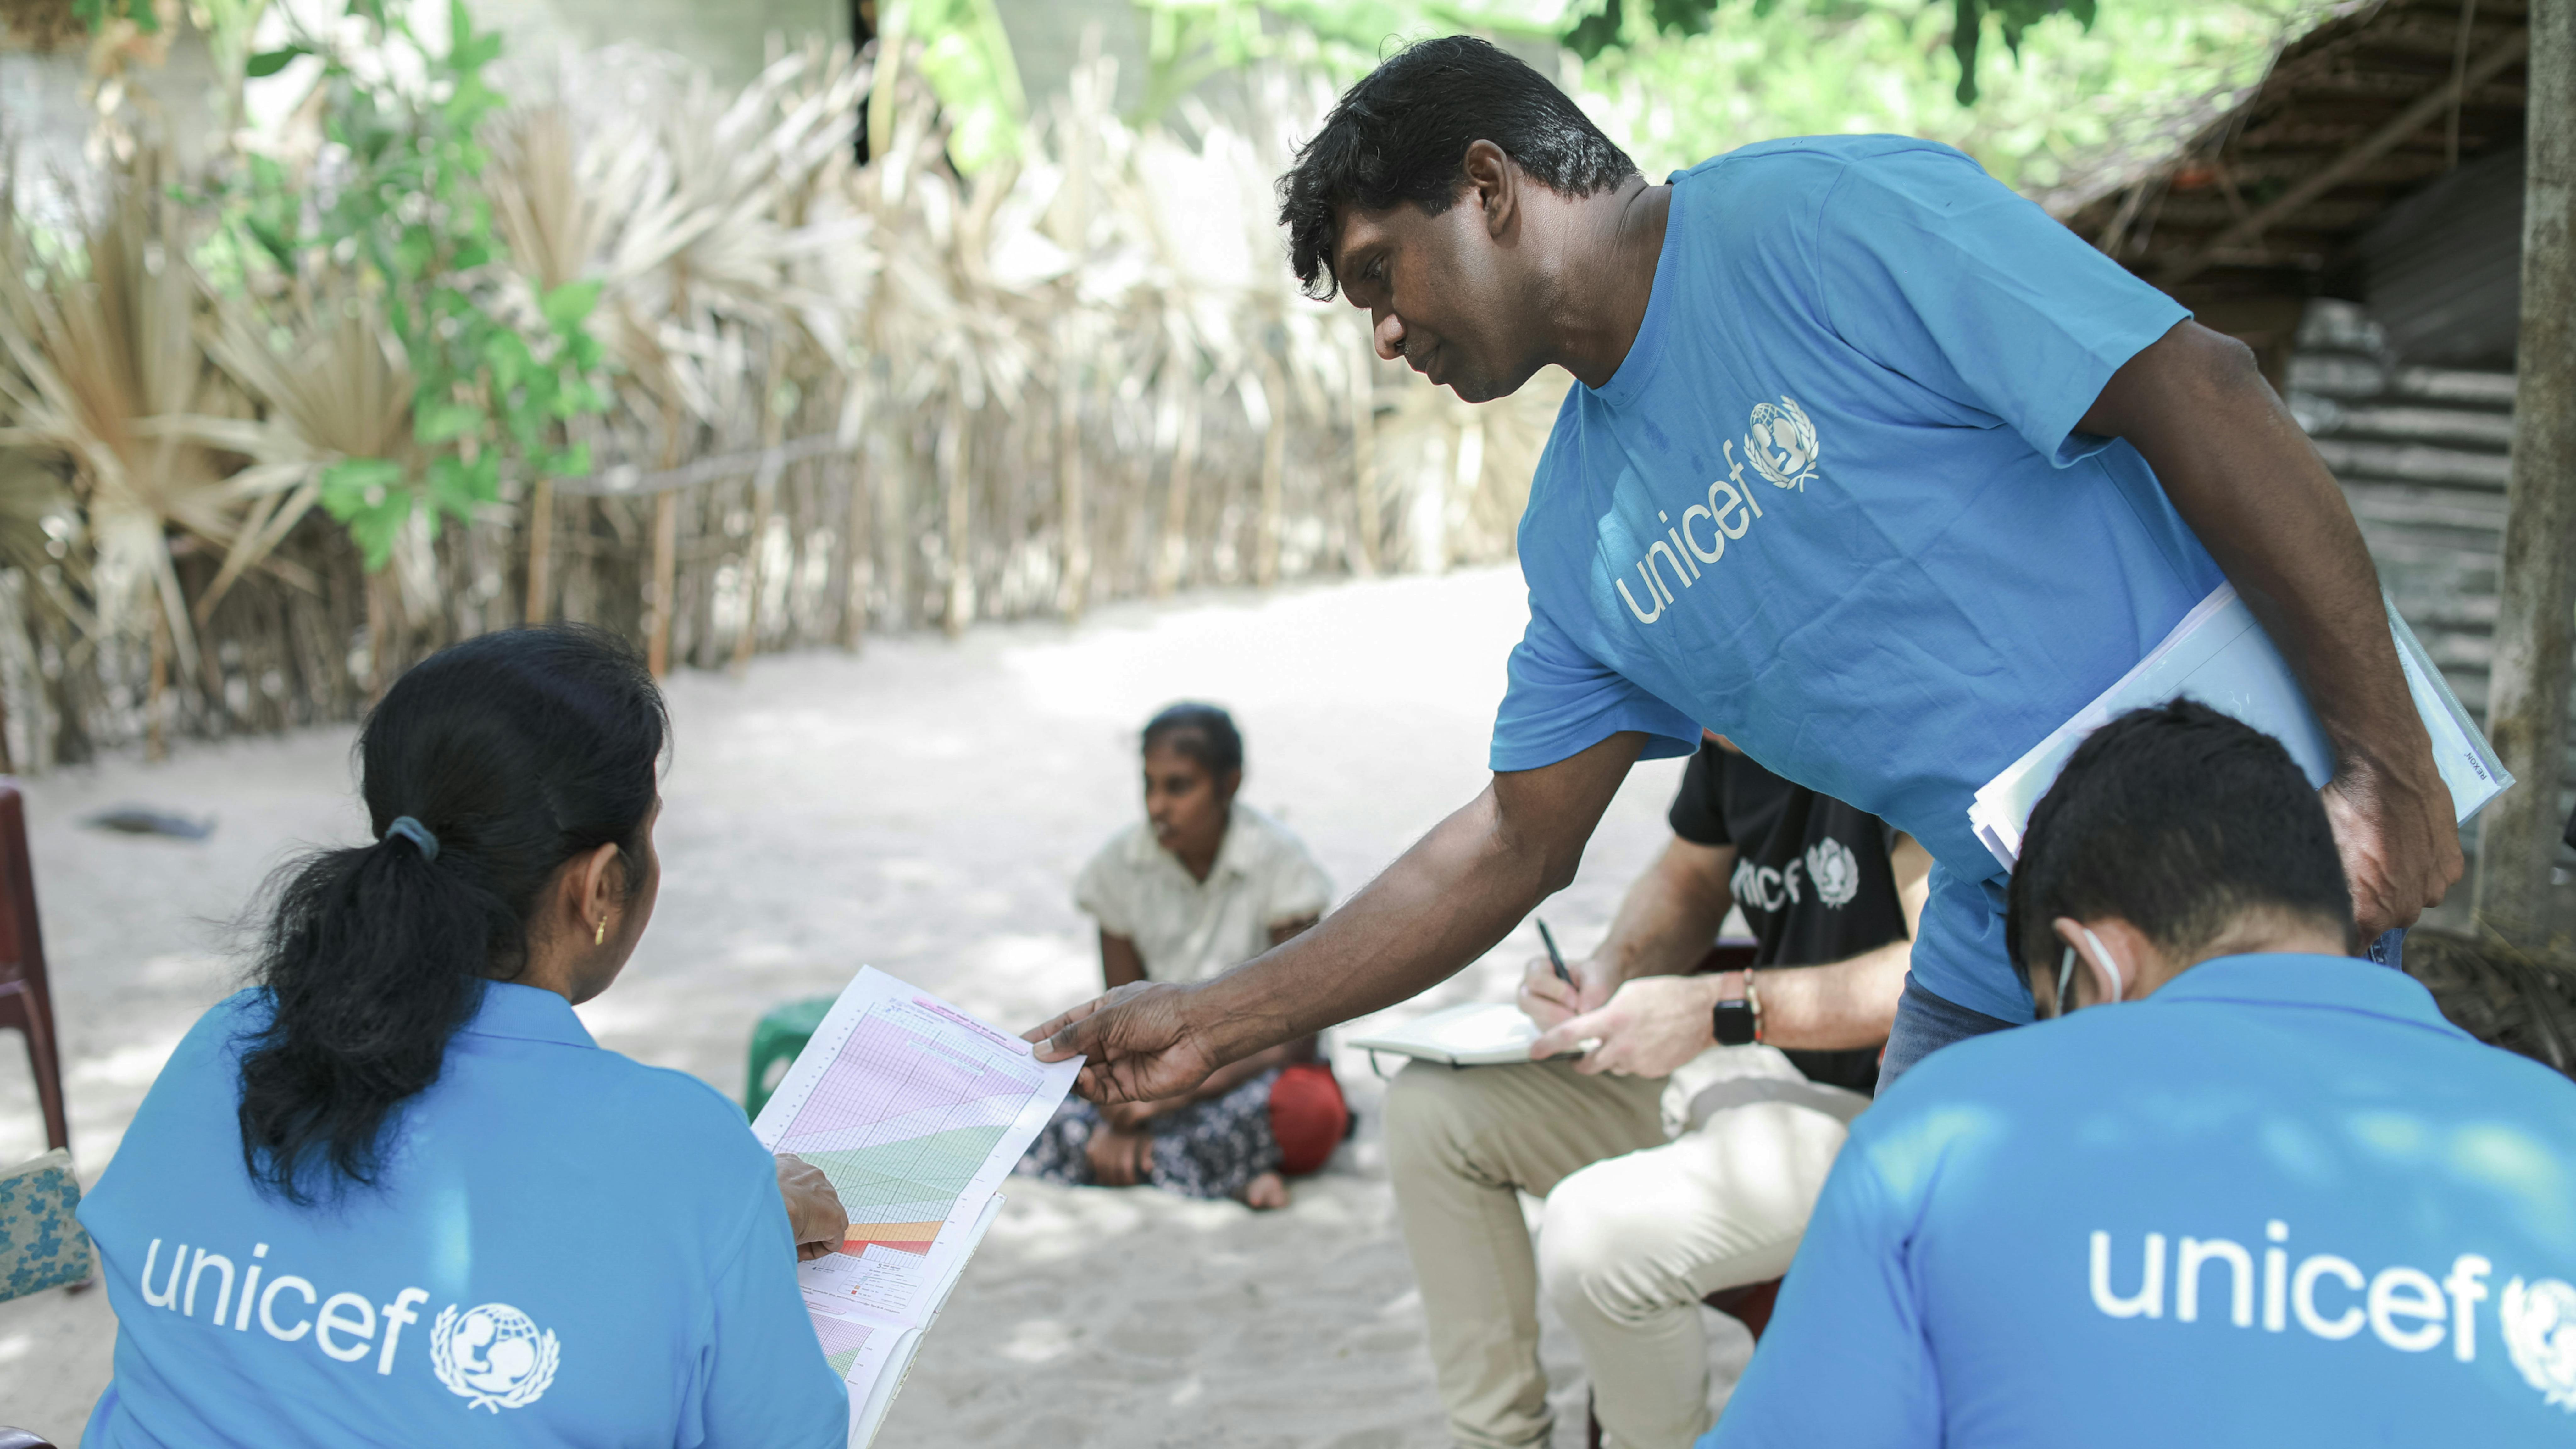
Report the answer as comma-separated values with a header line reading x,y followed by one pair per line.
x,y
1782,448
489,1355
342,1325
2405,1308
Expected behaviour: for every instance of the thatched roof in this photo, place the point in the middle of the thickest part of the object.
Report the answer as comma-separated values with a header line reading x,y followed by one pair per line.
x,y
2268,199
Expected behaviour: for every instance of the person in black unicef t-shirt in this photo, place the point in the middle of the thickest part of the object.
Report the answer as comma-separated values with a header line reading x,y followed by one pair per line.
x,y
1682,1154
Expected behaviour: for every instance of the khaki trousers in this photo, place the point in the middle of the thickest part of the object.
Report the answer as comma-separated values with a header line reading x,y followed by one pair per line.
x,y
1640,1224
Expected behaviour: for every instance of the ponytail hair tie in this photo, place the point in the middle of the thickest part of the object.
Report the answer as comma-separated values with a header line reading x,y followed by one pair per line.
x,y
415,832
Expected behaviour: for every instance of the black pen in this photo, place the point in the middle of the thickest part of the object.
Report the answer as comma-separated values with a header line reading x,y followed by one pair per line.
x,y
1555,957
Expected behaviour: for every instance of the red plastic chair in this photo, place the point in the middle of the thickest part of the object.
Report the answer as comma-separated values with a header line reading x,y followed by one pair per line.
x,y
24,1001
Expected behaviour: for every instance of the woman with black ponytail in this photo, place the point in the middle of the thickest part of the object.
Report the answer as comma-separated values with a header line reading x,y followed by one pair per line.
x,y
393,1194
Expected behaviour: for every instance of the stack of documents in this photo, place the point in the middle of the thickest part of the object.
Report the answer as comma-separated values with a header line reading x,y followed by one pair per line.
x,y
916,1111
2219,656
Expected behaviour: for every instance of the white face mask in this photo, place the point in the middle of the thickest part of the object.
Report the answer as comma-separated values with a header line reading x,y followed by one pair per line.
x,y
2100,956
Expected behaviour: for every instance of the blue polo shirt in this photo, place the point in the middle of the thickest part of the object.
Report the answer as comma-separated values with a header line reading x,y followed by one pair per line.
x,y
567,1248
2281,1201
1833,505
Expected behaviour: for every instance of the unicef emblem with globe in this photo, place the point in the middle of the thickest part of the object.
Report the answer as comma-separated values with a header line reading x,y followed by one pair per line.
x,y
2540,1332
1782,446
1834,871
491,1356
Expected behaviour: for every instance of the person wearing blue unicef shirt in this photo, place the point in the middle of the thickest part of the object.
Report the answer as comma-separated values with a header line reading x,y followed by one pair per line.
x,y
393,1194
1869,466
2249,1192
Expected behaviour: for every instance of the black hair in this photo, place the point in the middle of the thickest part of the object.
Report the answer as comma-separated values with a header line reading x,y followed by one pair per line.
x,y
2178,820
517,751
1402,134
1201,732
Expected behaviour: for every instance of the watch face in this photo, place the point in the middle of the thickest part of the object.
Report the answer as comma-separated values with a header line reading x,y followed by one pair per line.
x,y
1732,1023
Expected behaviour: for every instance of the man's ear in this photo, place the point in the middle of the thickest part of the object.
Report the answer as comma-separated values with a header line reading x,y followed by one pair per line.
x,y
1496,184
2115,956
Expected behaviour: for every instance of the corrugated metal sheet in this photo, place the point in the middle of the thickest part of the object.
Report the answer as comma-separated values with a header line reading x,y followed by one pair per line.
x,y
2420,452
2444,266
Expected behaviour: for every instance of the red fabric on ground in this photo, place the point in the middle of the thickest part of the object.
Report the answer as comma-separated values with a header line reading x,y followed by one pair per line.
x,y
1308,1116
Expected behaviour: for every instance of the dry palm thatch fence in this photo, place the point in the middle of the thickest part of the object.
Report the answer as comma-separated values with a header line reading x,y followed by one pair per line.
x,y
844,398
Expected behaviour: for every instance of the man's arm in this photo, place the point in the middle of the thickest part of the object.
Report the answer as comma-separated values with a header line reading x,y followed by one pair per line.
x,y
1664,926
1441,905
1655,1024
1120,961
2246,479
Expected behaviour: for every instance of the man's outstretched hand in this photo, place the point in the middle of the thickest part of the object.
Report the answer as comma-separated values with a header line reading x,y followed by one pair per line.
x,y
1140,1041
2400,845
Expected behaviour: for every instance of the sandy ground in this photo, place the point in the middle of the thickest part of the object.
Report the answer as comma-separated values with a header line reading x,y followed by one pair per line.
x,y
923,808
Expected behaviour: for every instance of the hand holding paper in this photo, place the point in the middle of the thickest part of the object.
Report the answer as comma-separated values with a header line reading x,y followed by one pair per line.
x,y
2221,657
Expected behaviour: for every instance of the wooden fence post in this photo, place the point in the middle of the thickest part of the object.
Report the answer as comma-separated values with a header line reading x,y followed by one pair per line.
x,y
955,467
1175,542
541,548
1075,586
764,507
1274,470
2536,593
666,581
858,551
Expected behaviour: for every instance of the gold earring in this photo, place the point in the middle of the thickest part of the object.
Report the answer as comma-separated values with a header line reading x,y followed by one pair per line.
x,y
600,936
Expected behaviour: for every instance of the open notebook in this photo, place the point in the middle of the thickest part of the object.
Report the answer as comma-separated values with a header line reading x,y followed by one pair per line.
x,y
2221,657
916,1111
1477,1034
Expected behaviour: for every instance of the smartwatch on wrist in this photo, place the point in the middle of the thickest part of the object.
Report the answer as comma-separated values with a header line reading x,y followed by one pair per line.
x,y
1736,1019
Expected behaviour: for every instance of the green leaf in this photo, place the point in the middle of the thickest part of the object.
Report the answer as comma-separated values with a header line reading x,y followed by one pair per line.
x,y
1596,32
270,62
508,358
366,495
440,421
569,305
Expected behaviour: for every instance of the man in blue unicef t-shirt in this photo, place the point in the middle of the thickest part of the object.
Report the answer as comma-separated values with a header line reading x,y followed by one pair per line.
x,y
2253,1193
1870,467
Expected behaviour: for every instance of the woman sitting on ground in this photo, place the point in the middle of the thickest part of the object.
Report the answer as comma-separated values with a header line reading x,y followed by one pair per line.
x,y
393,1188
1200,884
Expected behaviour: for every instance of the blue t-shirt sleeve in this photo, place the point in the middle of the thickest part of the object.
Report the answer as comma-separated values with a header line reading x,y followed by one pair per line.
x,y
1845,1361
1935,270
1562,701
761,1377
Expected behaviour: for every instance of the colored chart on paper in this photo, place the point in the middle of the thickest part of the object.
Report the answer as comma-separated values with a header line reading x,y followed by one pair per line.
x,y
905,1118
916,1111
844,1339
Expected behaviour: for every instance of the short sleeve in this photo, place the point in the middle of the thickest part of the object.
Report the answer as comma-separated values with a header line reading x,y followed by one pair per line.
x,y
761,1375
1105,891
1699,807
1845,1361
1561,701
1933,269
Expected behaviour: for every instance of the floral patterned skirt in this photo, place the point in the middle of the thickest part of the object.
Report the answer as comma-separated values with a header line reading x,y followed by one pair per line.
x,y
1208,1149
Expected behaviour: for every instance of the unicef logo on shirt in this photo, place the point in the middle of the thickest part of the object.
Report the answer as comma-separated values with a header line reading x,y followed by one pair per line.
x,y
1782,445
1834,871
492,1356
2540,1333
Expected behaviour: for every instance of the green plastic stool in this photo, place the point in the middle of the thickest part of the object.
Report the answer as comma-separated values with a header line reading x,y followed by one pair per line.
x,y
774,1044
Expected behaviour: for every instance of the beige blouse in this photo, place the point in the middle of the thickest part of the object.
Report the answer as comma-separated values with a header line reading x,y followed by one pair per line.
x,y
1188,929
